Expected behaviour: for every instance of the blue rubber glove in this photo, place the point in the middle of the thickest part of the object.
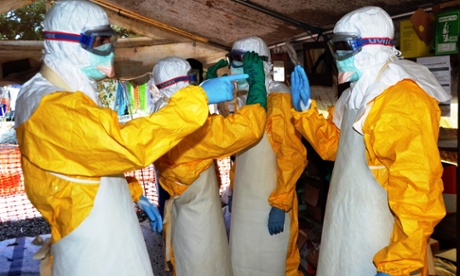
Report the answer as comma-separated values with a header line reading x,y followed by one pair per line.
x,y
212,71
152,212
300,89
276,221
221,89
382,274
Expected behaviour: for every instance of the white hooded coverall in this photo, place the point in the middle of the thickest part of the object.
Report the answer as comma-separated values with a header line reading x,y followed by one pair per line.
x,y
188,173
265,176
385,195
75,153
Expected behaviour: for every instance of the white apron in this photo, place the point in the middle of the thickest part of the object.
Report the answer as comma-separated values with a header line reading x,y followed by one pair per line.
x,y
357,222
254,251
109,241
198,231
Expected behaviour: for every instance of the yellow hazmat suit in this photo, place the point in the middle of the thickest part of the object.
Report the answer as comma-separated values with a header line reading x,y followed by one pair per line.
x,y
73,156
400,135
265,177
74,153
193,215
204,247
385,194
251,258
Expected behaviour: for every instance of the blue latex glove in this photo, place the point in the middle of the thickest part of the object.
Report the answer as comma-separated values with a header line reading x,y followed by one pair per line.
x,y
152,212
276,221
221,89
300,89
382,274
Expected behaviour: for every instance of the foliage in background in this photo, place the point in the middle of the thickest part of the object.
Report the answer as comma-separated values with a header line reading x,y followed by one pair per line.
x,y
26,23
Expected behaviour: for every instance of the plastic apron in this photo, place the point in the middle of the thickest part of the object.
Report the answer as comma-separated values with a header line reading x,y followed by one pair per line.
x,y
357,222
254,251
109,241
198,231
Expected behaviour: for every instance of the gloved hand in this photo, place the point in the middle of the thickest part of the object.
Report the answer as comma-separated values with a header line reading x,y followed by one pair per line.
x,y
276,221
221,89
152,212
300,89
254,67
382,274
212,71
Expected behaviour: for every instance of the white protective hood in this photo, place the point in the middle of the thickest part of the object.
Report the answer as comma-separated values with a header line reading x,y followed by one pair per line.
x,y
167,69
67,58
381,65
259,46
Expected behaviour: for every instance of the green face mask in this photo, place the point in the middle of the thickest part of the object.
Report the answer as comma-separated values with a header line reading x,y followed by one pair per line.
x,y
347,70
99,65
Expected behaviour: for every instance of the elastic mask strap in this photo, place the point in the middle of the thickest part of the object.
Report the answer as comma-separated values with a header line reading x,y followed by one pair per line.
x,y
172,81
60,36
384,67
386,41
53,78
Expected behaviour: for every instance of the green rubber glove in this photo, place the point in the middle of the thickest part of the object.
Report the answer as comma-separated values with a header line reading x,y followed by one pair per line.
x,y
212,71
254,67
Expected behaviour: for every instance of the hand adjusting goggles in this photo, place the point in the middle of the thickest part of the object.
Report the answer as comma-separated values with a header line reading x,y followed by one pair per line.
x,y
345,45
235,58
93,40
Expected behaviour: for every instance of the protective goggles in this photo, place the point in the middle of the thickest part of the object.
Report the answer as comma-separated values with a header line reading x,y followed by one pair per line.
x,y
192,78
91,40
235,58
345,45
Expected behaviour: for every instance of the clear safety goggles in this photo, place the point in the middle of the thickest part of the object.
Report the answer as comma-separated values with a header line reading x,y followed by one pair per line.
x,y
235,58
91,40
345,45
192,78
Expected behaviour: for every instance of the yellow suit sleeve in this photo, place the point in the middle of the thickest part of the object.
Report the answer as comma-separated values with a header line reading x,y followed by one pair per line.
x,y
218,137
84,139
401,130
135,188
291,155
320,132
222,136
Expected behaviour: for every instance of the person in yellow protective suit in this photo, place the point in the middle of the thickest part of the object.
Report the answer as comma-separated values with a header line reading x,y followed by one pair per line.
x,y
385,195
264,220
187,172
74,153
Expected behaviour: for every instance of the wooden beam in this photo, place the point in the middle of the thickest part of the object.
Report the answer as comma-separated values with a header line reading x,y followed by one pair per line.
x,y
9,5
160,36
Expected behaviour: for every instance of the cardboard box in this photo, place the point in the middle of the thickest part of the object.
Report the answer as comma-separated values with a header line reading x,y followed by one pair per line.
x,y
447,31
411,45
423,24
434,244
449,178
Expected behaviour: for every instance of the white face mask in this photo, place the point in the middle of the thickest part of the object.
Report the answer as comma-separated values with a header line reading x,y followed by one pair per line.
x,y
100,67
242,84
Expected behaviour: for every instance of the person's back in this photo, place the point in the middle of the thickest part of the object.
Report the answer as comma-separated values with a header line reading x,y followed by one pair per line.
x,y
187,172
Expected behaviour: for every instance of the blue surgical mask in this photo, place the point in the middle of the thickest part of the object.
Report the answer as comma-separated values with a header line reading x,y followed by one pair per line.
x,y
242,84
347,70
99,64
